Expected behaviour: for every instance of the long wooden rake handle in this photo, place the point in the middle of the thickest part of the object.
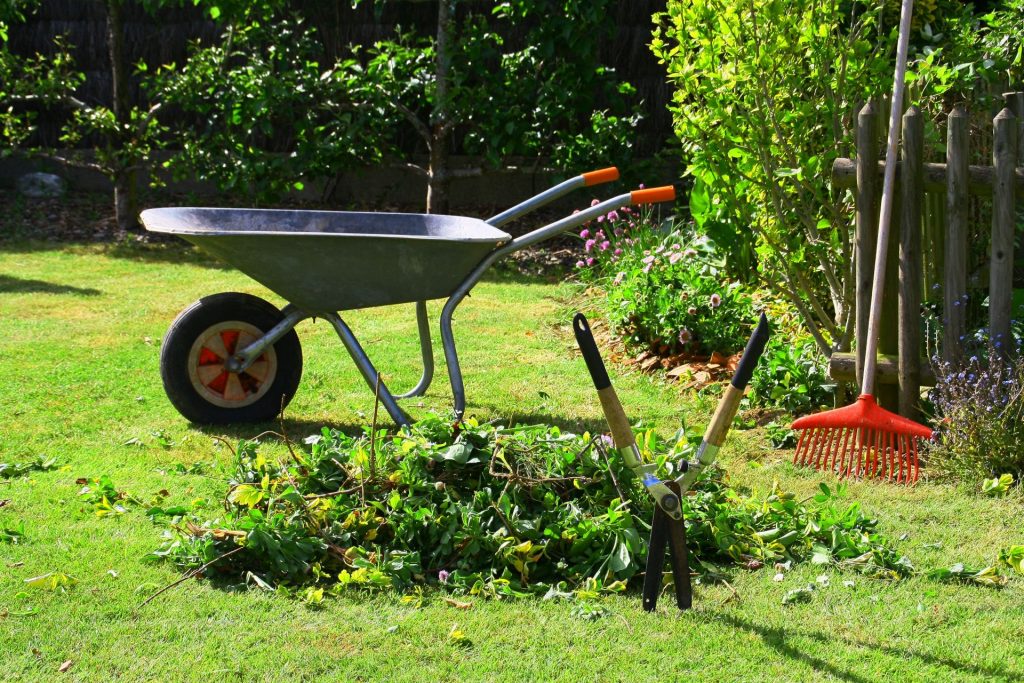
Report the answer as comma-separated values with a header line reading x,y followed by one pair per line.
x,y
885,213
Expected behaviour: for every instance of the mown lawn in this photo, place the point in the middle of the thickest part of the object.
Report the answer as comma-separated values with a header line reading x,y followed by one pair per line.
x,y
80,330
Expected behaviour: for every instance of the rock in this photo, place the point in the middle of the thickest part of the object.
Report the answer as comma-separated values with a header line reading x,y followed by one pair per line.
x,y
41,185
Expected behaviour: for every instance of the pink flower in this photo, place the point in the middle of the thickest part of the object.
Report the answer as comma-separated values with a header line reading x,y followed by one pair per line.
x,y
626,209
676,247
690,253
685,336
641,186
618,252
613,215
632,224
599,236
589,245
618,232
584,233
649,260
442,576
590,261
575,211
715,301
674,257
600,219
595,202
692,310
604,245
579,264
647,268
659,249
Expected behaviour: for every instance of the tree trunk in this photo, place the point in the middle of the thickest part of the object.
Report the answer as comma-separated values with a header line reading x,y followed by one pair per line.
x,y
438,177
125,199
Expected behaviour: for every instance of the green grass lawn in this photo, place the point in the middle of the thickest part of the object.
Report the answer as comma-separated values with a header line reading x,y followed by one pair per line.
x,y
80,331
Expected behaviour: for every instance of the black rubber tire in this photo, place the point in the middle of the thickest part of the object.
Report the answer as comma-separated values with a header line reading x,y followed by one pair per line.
x,y
196,320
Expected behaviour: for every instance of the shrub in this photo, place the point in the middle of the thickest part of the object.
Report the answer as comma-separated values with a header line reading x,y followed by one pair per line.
x,y
791,376
981,430
664,288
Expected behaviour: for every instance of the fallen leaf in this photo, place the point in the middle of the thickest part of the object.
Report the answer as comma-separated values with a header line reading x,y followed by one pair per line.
x,y
679,370
65,666
458,605
649,363
81,481
5,502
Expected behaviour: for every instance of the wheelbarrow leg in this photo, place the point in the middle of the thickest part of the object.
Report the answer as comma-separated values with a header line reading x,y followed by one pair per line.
x,y
369,372
426,349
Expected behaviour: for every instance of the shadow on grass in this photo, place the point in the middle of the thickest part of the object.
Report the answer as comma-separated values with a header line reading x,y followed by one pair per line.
x,y
777,639
172,250
14,285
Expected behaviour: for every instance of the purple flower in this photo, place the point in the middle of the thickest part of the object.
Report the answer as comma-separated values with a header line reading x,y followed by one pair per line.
x,y
589,245
607,441
595,202
690,253
618,232
613,215
715,301
584,233
685,336
604,245
579,264
442,576
674,257
599,236
676,247
648,260
618,252
590,261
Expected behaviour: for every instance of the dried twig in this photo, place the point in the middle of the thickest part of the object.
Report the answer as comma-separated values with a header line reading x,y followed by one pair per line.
x,y
190,575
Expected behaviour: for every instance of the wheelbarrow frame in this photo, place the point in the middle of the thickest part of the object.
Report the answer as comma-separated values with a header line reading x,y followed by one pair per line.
x,y
244,358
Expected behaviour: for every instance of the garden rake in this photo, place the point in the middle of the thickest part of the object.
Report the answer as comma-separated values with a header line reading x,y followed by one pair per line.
x,y
864,439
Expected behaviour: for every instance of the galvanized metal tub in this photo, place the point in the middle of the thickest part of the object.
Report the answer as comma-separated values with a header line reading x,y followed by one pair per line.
x,y
325,261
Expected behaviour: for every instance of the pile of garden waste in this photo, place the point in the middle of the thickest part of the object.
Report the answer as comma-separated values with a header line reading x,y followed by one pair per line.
x,y
486,509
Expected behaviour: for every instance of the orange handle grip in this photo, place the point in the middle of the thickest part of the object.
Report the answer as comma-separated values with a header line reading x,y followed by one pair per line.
x,y
652,195
604,175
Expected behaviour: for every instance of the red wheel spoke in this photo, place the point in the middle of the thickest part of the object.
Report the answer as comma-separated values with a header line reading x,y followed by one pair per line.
x,y
218,383
230,339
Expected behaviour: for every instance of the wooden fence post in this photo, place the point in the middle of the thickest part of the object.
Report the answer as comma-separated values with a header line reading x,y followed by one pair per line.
x,y
1000,290
910,269
866,223
954,290
1015,103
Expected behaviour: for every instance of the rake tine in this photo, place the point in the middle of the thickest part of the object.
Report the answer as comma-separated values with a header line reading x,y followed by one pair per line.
x,y
913,452
904,468
872,469
896,446
842,451
827,450
799,447
819,447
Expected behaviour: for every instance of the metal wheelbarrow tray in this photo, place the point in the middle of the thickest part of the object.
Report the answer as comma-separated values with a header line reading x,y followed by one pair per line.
x,y
236,358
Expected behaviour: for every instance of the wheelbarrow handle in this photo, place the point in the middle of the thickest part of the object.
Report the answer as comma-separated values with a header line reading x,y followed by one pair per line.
x,y
589,179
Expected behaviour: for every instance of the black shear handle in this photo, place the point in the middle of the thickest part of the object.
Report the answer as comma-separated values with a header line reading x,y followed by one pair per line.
x,y
588,347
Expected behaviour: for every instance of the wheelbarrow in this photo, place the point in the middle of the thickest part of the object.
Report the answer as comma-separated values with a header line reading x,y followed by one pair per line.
x,y
234,357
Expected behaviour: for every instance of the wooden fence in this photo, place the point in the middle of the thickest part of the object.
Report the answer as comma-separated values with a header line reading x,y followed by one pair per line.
x,y
936,222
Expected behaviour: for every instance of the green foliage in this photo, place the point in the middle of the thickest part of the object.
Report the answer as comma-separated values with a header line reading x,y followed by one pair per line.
x,y
765,92
20,469
792,376
103,497
980,406
11,534
997,487
272,114
494,511
664,289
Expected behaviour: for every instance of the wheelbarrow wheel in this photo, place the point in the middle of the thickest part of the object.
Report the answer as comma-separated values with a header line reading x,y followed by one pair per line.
x,y
204,336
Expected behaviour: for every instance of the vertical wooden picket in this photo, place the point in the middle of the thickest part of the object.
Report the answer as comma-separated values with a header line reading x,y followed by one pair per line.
x,y
955,257
910,268
866,222
1000,293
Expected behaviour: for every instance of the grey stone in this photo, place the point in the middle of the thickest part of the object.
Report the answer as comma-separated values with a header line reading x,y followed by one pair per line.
x,y
41,185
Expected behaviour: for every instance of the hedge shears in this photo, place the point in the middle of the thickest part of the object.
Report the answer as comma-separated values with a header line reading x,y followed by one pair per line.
x,y
668,528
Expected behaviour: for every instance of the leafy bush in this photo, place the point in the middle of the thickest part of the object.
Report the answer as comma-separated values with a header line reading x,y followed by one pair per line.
x,y
791,376
981,430
492,510
668,290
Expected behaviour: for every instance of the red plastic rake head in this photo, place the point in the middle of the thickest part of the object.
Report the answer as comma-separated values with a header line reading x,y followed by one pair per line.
x,y
861,440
